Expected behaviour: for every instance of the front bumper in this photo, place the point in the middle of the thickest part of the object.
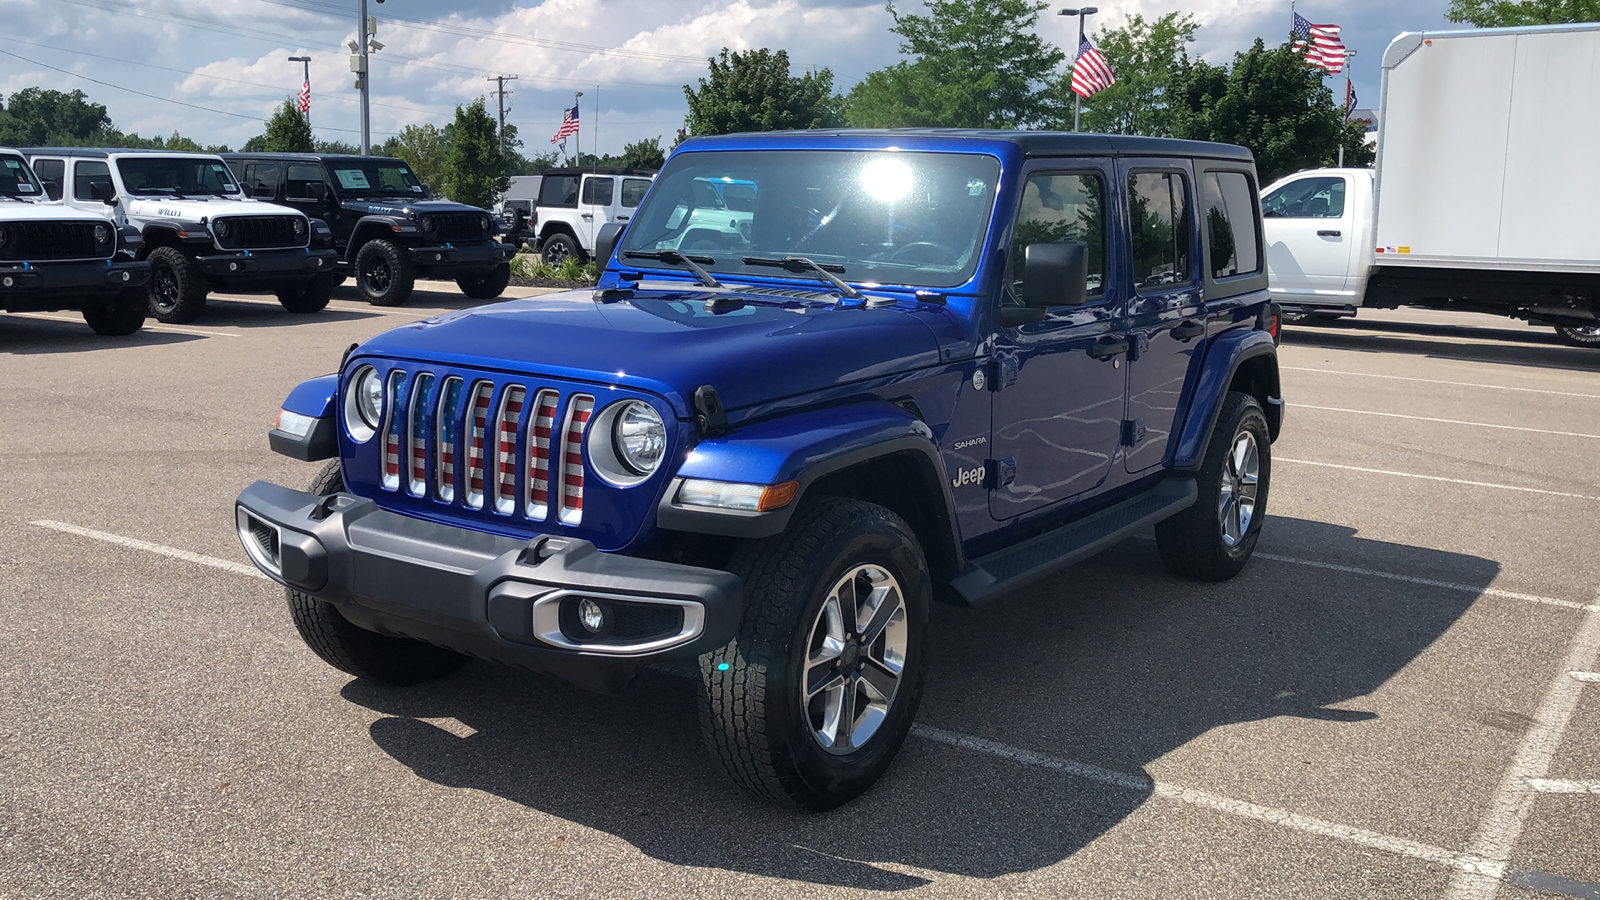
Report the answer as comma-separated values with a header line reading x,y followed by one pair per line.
x,y
235,266
482,256
486,595
31,287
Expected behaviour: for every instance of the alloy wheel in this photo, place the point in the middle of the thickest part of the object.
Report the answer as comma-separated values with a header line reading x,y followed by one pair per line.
x,y
855,656
1241,477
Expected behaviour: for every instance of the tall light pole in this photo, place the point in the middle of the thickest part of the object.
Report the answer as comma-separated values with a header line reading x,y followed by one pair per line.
x,y
306,86
364,44
1084,13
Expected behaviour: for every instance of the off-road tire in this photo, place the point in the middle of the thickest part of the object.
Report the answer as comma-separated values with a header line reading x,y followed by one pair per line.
x,y
1586,336
559,246
124,315
393,290
352,649
751,714
177,290
308,297
1192,543
487,286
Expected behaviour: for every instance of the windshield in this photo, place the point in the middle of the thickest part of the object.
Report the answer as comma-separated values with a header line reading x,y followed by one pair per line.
x,y
902,218
15,178
172,175
375,178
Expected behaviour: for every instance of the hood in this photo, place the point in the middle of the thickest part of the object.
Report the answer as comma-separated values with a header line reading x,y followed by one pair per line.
x,y
36,211
401,206
190,208
667,342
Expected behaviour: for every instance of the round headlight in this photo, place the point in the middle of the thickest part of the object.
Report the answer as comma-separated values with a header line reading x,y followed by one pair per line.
x,y
639,437
220,227
102,234
299,227
425,223
484,223
369,397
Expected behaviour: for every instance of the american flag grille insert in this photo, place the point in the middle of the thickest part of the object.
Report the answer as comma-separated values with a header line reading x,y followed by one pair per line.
x,y
391,433
417,442
459,227
56,240
260,232
449,424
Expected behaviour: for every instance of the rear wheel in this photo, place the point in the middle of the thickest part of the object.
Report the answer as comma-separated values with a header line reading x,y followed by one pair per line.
x,y
350,648
123,316
384,273
308,297
177,289
1213,539
487,286
1579,335
559,247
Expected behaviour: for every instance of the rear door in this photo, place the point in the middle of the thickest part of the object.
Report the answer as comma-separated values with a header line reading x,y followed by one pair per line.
x,y
1310,232
633,191
596,205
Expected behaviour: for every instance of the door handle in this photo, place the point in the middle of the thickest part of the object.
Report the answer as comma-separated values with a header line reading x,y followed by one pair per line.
x,y
587,215
1330,234
1188,330
620,219
1108,347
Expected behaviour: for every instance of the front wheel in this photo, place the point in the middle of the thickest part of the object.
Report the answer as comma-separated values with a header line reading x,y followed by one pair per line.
x,y
487,286
177,289
384,273
308,297
809,704
1213,539
123,316
1579,335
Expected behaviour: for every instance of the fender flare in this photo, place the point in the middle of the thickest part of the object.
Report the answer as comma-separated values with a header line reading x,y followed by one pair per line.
x,y
804,448
366,226
1225,355
318,399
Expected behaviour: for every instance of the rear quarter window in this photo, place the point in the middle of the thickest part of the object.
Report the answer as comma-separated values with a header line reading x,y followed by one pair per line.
x,y
558,190
1228,215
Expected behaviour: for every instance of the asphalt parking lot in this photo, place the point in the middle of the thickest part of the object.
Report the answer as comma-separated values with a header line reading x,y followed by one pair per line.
x,y
1397,699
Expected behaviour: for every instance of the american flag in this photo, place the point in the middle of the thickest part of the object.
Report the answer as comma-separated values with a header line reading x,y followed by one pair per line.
x,y
305,97
569,125
1091,74
1326,51
1349,100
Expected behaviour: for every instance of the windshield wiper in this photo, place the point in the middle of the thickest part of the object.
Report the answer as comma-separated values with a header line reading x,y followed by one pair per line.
x,y
673,257
800,265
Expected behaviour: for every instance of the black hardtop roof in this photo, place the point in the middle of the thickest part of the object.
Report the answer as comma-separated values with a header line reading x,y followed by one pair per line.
x,y
597,170
103,152
1032,143
311,157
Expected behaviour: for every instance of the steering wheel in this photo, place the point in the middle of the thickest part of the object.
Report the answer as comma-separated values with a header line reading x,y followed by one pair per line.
x,y
927,250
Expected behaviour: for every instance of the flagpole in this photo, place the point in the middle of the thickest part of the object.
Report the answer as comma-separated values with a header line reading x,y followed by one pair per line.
x,y
1348,57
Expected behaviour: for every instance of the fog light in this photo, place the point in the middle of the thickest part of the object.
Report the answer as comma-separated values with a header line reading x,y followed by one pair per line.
x,y
10,282
233,267
126,277
591,616
438,256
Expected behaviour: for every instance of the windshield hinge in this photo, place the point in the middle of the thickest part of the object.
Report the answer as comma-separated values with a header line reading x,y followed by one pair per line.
x,y
710,417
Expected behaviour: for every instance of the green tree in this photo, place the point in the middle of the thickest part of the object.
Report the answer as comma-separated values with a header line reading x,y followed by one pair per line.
x,y
973,64
1503,13
1144,54
257,144
474,170
753,91
424,149
644,154
288,131
341,147
36,116
1271,102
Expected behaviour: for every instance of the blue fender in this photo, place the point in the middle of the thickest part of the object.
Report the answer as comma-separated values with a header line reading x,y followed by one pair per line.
x,y
313,398
804,448
1227,353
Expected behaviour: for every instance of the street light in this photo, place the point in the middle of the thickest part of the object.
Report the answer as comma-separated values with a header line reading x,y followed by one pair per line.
x,y
306,61
1084,13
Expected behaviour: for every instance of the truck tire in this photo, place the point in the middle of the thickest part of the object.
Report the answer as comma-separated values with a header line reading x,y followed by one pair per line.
x,y
308,297
776,697
350,648
487,286
558,247
384,273
177,291
1213,539
123,316
1579,335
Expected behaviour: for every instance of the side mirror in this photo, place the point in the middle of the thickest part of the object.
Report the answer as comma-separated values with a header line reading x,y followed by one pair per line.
x,y
605,243
317,190
1055,275
52,189
424,189
104,192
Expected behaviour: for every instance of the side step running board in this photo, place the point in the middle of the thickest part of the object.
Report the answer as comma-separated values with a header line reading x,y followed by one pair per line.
x,y
986,578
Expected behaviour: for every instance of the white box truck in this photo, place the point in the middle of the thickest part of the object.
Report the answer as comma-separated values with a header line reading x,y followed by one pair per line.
x,y
1482,198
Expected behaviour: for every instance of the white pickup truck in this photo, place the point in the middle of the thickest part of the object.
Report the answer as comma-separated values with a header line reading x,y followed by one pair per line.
x,y
1481,199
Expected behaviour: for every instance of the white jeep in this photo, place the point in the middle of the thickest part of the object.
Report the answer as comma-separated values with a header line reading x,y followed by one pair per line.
x,y
201,233
53,257
575,203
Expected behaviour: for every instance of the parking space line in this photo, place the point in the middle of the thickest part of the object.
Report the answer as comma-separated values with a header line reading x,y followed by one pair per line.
x,y
174,329
1461,862
1468,384
1563,786
1508,814
136,544
1586,677
1368,412
1429,582
1486,484
362,308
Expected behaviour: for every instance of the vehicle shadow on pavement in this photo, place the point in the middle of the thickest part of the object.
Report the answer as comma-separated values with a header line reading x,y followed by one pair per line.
x,y
22,335
264,312
1492,345
1114,664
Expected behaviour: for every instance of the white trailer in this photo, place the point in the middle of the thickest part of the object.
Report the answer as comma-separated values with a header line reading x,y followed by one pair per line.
x,y
1482,198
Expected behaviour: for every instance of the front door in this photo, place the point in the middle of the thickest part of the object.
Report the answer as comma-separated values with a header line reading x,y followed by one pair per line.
x,y
1059,398
1310,230
300,180
595,204
1165,320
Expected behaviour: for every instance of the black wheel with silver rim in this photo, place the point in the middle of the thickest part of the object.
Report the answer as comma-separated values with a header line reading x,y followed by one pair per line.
x,y
177,290
1579,335
809,703
1213,539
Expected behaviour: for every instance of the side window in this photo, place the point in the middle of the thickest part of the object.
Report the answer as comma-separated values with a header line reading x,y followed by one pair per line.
x,y
1308,198
261,179
1229,199
86,173
558,190
1062,209
1162,233
299,179
51,171
633,191
598,191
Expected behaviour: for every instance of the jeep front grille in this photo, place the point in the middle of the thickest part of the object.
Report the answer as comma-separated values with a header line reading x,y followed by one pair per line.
x,y
260,232
459,226
33,241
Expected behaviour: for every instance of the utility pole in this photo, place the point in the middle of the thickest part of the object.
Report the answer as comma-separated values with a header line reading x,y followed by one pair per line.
x,y
1350,56
1077,100
366,42
500,91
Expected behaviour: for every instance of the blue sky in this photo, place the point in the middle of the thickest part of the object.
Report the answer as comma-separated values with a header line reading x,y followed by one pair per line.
x,y
226,59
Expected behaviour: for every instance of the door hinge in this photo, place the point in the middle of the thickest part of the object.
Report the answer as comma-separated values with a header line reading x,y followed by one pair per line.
x,y
1002,472
1003,373
1133,431
1138,342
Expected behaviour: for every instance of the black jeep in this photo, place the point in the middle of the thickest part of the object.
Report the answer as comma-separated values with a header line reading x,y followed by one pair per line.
x,y
387,230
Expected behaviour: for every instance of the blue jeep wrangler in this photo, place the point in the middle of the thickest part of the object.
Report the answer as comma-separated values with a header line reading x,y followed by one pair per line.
x,y
937,364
